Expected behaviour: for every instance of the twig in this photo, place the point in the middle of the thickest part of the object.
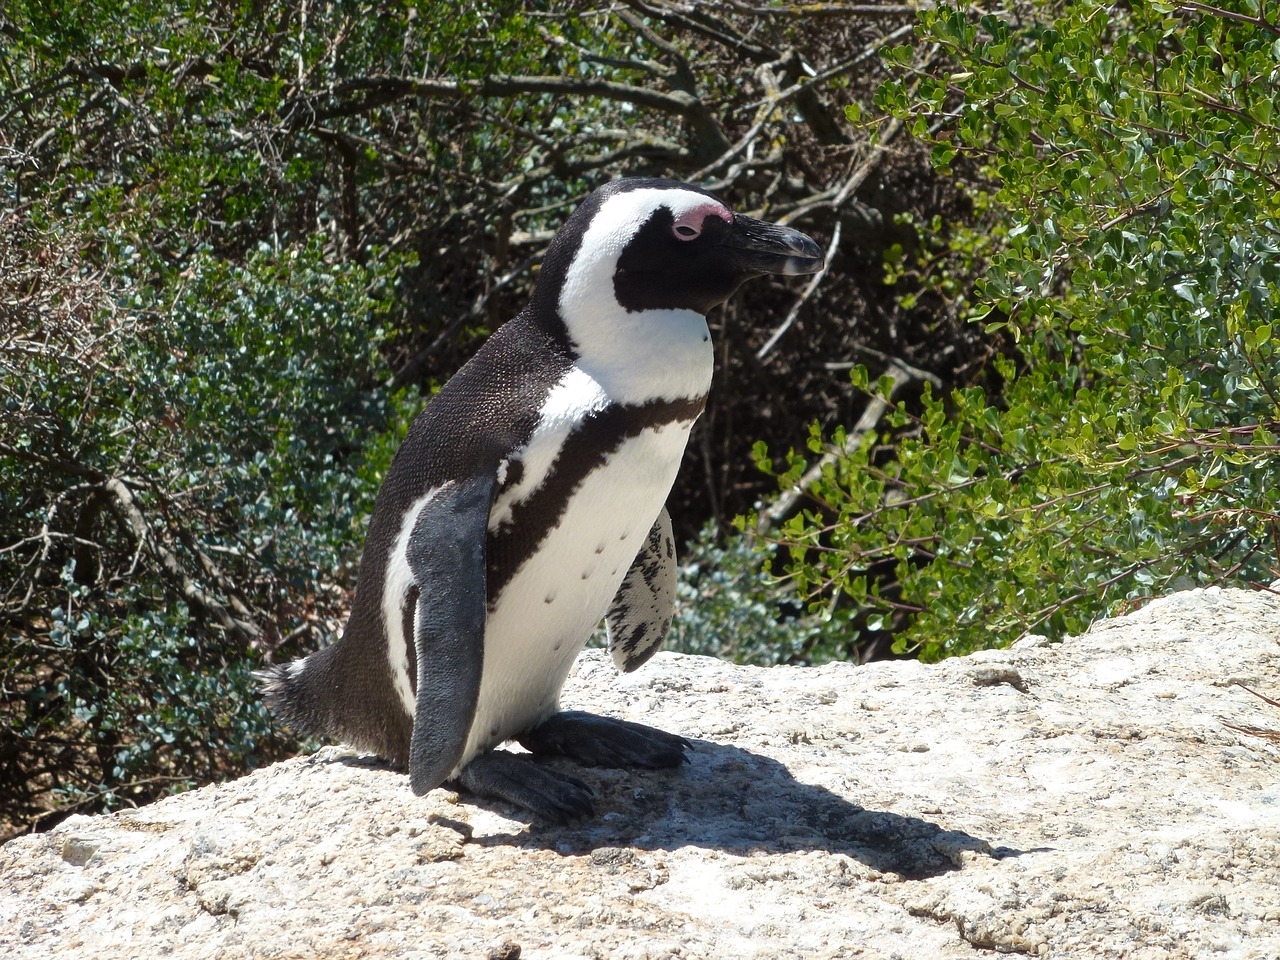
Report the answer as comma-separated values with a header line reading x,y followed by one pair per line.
x,y
807,10
900,374
1192,6
812,286
171,566
1265,699
866,53
698,21
1273,735
681,75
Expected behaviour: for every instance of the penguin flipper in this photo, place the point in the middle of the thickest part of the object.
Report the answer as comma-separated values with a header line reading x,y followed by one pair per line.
x,y
446,555
640,615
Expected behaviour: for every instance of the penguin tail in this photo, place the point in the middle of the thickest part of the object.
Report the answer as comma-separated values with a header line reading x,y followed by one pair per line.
x,y
326,695
288,695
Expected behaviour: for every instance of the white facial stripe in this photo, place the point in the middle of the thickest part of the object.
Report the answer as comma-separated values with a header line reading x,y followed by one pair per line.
x,y
646,354
570,401
395,586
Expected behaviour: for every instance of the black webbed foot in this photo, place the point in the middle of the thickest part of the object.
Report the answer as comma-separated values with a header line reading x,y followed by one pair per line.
x,y
604,742
500,775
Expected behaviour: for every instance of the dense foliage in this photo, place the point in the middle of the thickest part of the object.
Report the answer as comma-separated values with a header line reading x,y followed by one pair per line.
x,y
179,482
1134,253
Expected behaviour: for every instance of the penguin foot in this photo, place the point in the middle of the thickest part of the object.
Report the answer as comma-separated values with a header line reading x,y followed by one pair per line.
x,y
604,742
500,775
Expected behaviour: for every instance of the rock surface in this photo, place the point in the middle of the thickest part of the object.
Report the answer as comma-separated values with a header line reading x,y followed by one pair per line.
x,y
1074,800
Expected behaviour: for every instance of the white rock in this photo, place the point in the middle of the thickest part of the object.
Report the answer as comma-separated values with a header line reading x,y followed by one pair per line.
x,y
1072,800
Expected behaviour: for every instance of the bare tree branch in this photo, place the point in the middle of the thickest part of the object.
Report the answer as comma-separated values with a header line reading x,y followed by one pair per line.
x,y
694,19
199,601
900,374
804,298
375,91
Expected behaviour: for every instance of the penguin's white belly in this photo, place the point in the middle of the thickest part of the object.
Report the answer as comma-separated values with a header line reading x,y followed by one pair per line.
x,y
545,615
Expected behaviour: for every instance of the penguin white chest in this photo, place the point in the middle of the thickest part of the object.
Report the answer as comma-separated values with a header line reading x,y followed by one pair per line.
x,y
543,616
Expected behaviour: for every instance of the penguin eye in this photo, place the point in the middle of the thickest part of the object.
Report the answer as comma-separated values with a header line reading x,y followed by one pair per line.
x,y
691,221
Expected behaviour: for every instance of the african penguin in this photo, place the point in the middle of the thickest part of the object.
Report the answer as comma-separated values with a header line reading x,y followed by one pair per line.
x,y
527,503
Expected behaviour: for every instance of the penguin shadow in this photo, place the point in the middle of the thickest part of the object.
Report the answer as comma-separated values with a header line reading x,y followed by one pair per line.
x,y
732,800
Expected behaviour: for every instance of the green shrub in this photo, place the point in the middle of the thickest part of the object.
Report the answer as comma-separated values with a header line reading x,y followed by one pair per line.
x,y
726,607
1133,163
182,477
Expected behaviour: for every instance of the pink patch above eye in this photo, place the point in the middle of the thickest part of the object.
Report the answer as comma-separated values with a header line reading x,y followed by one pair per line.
x,y
689,224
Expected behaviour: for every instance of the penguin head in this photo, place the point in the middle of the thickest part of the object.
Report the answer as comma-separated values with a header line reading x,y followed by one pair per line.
x,y
627,282
688,250
651,244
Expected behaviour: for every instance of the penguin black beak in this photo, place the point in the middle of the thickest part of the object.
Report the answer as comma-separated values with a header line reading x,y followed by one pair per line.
x,y
761,247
